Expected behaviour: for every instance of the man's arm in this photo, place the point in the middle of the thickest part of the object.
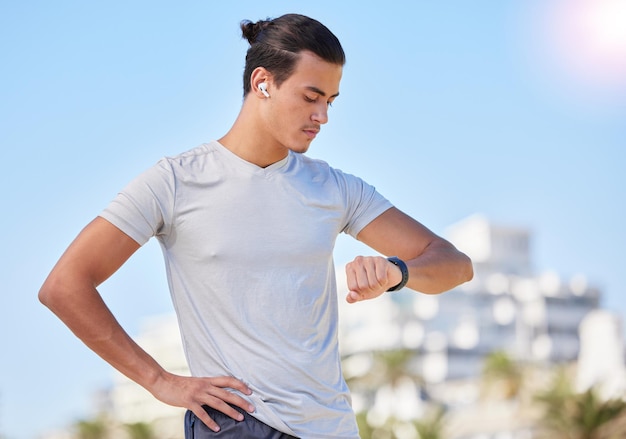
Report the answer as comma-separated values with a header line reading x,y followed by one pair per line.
x,y
70,291
434,264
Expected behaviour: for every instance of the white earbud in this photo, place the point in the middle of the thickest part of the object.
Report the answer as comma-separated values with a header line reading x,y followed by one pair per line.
x,y
263,88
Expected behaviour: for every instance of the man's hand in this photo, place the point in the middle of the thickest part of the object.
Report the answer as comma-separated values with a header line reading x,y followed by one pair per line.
x,y
192,393
370,276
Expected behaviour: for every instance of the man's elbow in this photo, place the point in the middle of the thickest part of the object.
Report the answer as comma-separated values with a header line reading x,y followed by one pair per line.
x,y
460,265
51,294
47,294
467,268
458,273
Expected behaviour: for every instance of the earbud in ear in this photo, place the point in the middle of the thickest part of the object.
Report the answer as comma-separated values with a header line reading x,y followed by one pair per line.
x,y
263,88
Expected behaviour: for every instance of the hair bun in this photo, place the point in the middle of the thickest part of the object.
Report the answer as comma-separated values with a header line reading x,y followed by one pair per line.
x,y
251,31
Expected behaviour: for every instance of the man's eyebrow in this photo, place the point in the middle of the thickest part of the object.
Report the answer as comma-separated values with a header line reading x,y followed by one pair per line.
x,y
320,92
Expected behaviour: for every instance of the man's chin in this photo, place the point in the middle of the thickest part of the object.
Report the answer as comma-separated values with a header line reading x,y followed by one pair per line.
x,y
300,149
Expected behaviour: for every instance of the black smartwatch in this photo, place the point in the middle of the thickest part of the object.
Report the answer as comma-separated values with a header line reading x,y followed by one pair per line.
x,y
403,268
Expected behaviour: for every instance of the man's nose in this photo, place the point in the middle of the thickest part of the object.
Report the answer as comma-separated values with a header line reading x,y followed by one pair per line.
x,y
321,115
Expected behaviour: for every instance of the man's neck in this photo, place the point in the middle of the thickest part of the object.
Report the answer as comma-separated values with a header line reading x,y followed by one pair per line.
x,y
249,140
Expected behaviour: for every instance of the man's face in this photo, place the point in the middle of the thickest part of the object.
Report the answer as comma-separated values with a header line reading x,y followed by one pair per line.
x,y
300,106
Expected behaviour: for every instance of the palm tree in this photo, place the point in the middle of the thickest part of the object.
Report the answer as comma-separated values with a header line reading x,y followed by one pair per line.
x,y
594,413
502,373
139,430
95,429
365,429
388,368
554,399
432,427
571,415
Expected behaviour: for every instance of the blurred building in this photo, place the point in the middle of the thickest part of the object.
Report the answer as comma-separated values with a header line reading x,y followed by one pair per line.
x,y
130,403
506,307
601,359
537,319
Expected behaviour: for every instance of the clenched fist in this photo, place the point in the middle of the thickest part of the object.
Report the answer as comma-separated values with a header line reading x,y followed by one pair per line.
x,y
370,276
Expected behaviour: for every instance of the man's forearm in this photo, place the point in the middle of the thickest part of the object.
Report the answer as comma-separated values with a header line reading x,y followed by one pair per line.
x,y
439,268
84,312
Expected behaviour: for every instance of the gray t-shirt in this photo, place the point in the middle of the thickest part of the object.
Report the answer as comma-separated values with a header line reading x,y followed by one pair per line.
x,y
248,255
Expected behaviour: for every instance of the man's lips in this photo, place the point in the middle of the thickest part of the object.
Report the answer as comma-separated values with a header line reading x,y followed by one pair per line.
x,y
311,132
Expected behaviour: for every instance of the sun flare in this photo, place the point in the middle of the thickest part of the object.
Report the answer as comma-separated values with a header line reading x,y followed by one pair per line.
x,y
590,39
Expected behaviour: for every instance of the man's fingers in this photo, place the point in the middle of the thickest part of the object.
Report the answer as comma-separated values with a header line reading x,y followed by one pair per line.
x,y
230,382
223,394
221,384
220,399
366,277
205,418
226,399
360,273
353,297
221,406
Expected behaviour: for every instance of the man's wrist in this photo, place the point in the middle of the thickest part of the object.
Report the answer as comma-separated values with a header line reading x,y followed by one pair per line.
x,y
403,269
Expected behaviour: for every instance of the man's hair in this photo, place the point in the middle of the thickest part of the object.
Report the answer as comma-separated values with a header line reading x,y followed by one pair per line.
x,y
276,45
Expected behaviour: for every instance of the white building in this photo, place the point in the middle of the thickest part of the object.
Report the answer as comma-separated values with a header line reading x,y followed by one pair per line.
x,y
506,307
535,318
601,359
131,403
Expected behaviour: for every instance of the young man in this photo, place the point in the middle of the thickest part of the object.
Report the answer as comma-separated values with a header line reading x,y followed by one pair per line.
x,y
247,225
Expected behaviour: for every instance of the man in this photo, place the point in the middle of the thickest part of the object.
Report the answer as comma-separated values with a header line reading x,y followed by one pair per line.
x,y
247,226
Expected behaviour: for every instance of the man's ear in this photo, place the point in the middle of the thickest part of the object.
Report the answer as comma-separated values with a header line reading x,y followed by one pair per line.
x,y
259,76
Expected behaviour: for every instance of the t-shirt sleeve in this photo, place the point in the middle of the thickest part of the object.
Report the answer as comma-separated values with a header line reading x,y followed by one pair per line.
x,y
363,203
144,207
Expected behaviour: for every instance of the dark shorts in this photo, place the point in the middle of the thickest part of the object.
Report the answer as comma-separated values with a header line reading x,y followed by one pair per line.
x,y
249,428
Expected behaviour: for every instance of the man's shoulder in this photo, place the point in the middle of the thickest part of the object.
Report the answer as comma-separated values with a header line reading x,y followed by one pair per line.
x,y
190,161
194,153
318,164
322,166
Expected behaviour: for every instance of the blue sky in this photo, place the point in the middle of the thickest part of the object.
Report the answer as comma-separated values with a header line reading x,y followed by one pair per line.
x,y
448,108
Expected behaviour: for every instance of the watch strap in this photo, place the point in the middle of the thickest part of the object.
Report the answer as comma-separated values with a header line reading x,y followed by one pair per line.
x,y
403,268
